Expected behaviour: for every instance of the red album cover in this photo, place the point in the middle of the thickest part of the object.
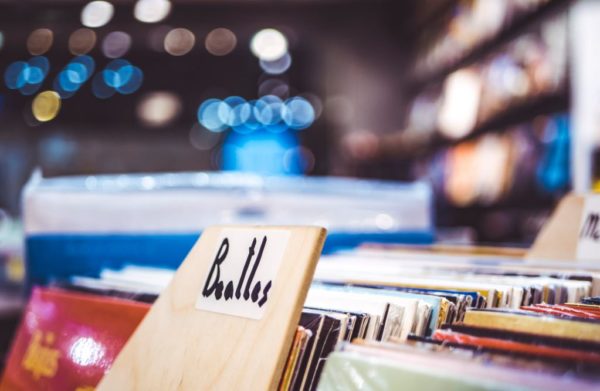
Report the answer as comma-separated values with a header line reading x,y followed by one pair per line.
x,y
517,347
67,340
561,310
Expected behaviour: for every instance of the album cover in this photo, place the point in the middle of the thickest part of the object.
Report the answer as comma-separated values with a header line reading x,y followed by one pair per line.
x,y
68,340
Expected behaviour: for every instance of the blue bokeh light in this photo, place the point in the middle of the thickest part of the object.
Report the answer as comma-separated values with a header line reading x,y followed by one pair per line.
x,y
238,111
134,78
67,80
40,62
57,86
27,77
76,73
116,73
122,76
87,62
212,114
278,66
14,76
33,75
269,110
70,79
269,113
299,113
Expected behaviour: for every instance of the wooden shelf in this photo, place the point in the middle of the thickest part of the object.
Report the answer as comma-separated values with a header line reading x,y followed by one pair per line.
x,y
519,113
514,115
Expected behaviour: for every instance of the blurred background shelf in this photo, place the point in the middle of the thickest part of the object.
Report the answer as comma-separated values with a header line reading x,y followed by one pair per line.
x,y
514,29
409,147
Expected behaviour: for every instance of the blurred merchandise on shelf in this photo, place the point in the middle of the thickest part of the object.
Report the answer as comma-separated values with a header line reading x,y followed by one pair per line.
x,y
80,225
367,89
525,162
431,138
513,80
482,317
470,25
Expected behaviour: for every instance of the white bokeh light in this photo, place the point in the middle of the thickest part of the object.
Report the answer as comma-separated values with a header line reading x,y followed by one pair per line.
x,y
97,13
151,11
269,45
159,108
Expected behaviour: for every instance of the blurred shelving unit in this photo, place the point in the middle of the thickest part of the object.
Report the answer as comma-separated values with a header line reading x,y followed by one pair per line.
x,y
487,121
511,31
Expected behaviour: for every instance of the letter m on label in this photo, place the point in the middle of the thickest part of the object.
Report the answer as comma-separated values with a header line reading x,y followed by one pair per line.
x,y
590,227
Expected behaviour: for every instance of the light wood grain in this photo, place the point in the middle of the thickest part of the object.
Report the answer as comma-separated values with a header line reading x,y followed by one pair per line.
x,y
558,238
177,347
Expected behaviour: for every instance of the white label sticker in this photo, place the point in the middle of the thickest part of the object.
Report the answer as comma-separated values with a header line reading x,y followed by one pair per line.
x,y
242,271
588,246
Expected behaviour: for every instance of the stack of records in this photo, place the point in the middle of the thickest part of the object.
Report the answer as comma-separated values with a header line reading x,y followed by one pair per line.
x,y
386,318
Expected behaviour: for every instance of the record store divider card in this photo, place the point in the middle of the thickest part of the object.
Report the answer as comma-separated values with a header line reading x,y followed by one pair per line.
x,y
588,246
228,317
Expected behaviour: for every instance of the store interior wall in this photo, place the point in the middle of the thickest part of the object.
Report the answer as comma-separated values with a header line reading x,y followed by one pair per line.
x,y
353,57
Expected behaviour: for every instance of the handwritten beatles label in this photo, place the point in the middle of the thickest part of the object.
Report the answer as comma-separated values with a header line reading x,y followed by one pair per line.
x,y
588,245
242,271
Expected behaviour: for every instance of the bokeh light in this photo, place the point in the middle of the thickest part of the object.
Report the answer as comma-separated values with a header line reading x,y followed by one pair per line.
x,y
40,66
73,75
269,110
84,65
179,41
40,41
220,41
34,75
250,123
1,40
97,13
82,41
116,44
269,45
238,111
460,104
117,73
60,90
315,102
212,114
122,76
299,113
45,106
27,77
276,67
159,108
269,113
151,11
